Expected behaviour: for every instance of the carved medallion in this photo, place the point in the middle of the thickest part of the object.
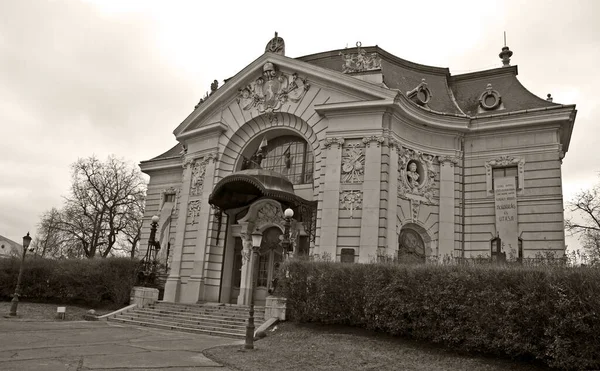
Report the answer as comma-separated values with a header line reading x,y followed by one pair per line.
x,y
417,174
353,163
360,61
351,200
273,89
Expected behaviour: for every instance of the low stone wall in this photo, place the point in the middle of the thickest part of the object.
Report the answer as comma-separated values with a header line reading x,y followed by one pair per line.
x,y
143,296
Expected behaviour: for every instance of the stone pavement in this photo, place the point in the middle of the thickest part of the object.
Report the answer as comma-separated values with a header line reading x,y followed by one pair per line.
x,y
79,346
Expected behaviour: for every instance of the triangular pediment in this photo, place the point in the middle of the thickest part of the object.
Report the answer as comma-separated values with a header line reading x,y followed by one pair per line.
x,y
275,83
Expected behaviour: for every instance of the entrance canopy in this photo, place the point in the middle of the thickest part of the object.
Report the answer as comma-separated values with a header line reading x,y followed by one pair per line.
x,y
244,187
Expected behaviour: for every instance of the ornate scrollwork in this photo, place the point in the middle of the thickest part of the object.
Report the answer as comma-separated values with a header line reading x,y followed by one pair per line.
x,y
270,91
360,61
351,200
194,208
353,163
329,141
269,214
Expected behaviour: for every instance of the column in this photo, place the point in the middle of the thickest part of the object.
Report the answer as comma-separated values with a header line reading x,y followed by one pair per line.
x,y
173,283
244,296
196,281
392,211
369,224
446,221
331,196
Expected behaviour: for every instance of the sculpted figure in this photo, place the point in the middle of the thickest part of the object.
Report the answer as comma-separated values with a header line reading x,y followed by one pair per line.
x,y
412,175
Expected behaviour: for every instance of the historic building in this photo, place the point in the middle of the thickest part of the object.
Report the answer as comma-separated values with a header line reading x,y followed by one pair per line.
x,y
375,155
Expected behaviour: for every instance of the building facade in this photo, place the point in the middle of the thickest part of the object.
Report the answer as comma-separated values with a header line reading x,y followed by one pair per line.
x,y
376,156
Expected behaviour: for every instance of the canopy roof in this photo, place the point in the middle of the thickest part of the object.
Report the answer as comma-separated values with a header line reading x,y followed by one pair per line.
x,y
244,187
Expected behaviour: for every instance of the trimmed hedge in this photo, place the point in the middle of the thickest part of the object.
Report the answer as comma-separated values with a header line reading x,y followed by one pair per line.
x,y
547,313
89,281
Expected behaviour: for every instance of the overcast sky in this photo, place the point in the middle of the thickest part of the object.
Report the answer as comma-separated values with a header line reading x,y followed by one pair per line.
x,y
100,77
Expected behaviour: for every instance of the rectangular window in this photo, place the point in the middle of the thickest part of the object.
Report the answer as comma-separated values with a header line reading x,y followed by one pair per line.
x,y
170,197
502,172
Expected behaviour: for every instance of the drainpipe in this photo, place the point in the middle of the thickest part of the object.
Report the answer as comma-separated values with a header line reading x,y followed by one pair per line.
x,y
463,218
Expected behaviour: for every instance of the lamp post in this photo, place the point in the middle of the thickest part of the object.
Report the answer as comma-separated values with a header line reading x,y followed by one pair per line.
x,y
287,244
15,299
256,240
149,261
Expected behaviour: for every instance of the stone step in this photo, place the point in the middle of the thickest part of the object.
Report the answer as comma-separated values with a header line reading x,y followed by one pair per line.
x,y
198,321
187,324
201,308
210,318
216,315
180,328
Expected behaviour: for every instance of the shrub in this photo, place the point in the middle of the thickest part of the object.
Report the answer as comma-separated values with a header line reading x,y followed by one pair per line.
x,y
548,313
89,281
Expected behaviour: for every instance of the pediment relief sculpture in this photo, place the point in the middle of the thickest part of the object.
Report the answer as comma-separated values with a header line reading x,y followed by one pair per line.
x,y
417,175
270,91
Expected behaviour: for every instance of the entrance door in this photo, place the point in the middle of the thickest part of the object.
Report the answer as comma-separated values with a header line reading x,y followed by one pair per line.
x,y
270,256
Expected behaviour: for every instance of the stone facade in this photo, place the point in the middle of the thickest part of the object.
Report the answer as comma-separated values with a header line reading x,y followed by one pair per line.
x,y
403,161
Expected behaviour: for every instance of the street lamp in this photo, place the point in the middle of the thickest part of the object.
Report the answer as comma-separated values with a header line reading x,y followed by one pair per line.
x,y
149,261
15,299
256,240
286,243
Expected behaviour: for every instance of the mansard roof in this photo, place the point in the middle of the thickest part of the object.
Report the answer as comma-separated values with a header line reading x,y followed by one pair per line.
x,y
457,94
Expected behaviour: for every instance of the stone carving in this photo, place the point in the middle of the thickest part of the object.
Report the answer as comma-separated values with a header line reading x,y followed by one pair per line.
x,y
360,61
504,161
276,45
421,94
394,144
194,210
417,174
270,91
490,99
412,175
353,163
416,179
373,138
198,172
329,141
351,200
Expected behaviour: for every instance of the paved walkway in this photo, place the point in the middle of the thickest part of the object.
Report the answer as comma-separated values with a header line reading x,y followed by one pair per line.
x,y
79,346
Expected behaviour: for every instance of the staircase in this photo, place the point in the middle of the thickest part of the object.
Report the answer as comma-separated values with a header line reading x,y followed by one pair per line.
x,y
211,318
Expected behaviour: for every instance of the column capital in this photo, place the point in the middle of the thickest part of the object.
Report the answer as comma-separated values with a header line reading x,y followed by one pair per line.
x,y
328,142
373,138
450,160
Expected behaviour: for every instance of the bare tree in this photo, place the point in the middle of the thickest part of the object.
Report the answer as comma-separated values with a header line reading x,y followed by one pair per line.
x,y
586,206
104,202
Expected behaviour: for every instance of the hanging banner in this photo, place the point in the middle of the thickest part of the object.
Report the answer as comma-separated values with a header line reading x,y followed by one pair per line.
x,y
507,226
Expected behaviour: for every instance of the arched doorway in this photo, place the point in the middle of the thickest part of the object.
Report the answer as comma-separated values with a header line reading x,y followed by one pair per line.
x,y
411,246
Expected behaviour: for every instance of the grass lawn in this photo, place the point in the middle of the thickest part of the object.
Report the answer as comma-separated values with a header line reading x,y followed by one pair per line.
x,y
47,312
313,347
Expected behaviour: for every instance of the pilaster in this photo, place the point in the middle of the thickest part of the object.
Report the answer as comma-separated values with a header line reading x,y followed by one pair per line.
x,y
331,196
247,261
196,281
446,221
371,188
173,283
392,211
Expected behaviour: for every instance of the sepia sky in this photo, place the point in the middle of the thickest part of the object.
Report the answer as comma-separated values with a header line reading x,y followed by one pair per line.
x,y
100,77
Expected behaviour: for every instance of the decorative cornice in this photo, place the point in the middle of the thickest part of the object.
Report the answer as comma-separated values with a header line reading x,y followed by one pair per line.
x,y
330,141
373,138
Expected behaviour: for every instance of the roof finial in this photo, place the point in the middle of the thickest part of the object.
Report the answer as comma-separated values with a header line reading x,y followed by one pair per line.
x,y
505,54
549,97
276,45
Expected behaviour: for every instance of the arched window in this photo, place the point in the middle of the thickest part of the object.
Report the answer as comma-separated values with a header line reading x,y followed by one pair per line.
x,y
288,155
